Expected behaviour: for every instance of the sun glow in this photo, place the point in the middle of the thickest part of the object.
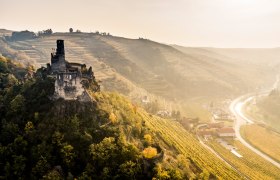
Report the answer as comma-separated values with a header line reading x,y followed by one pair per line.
x,y
242,2
219,23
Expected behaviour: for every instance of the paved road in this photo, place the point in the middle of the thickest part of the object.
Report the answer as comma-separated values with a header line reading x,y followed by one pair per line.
x,y
236,109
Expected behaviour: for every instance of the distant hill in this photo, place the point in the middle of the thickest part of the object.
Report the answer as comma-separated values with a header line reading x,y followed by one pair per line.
x,y
268,56
139,67
5,32
253,64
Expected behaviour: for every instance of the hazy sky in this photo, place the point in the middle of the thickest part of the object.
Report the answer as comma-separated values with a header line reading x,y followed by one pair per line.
x,y
218,23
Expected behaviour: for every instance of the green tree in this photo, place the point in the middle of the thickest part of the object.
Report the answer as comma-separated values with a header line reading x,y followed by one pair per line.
x,y
41,167
3,66
10,80
9,132
129,170
17,104
102,152
57,138
67,153
18,165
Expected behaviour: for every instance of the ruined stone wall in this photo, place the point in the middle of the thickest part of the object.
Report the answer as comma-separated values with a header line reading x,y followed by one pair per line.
x,y
68,86
69,76
59,66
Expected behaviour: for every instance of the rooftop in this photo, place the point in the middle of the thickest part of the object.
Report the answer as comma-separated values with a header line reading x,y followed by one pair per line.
x,y
226,130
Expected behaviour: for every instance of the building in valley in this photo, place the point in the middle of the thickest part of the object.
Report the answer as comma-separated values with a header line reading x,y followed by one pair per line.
x,y
226,132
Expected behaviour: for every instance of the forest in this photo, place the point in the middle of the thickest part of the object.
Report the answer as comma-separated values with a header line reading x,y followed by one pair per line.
x,y
45,139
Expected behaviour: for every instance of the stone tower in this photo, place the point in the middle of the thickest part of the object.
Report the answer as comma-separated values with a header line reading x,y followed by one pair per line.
x,y
58,62
60,47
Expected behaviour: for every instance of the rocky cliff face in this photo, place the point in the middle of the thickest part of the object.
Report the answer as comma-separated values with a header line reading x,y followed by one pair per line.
x,y
67,108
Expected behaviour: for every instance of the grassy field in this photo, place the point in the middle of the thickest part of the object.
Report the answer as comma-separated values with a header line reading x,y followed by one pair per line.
x,y
251,165
264,139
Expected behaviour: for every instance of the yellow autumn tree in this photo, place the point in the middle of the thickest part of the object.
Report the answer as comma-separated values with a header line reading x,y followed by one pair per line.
x,y
149,152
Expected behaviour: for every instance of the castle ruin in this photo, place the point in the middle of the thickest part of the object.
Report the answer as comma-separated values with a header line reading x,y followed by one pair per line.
x,y
71,79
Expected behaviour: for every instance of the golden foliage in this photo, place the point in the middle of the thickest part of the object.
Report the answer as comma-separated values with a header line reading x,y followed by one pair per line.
x,y
148,138
149,152
113,118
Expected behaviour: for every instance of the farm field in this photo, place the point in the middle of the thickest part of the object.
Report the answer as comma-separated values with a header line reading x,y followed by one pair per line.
x,y
264,139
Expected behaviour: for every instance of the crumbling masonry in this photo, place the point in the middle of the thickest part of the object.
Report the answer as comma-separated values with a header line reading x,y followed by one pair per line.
x,y
71,79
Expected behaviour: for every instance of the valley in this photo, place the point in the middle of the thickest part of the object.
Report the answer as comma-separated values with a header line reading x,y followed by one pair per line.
x,y
140,90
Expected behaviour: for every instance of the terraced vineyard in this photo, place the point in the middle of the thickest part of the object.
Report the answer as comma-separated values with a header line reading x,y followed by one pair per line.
x,y
81,48
251,165
39,49
176,136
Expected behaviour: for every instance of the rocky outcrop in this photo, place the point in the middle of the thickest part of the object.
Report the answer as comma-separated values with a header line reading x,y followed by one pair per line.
x,y
68,108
